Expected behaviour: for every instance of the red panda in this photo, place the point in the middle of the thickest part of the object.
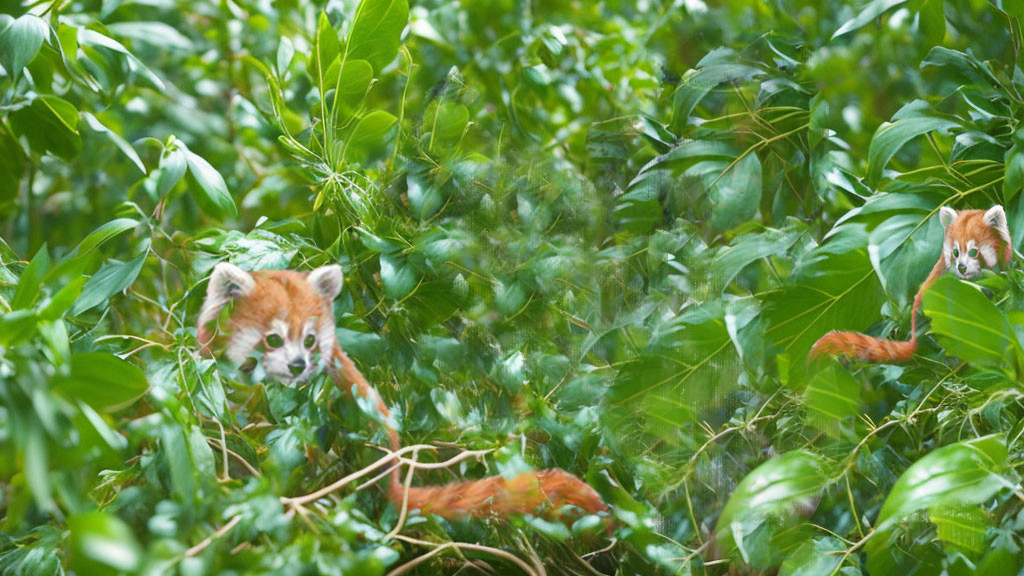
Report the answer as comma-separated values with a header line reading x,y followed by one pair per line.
x,y
973,239
290,316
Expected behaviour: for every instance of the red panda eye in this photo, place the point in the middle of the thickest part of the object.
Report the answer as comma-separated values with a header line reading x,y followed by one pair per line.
x,y
973,253
956,253
274,341
310,340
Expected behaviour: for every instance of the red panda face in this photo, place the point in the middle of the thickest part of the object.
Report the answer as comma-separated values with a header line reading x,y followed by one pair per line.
x,y
974,240
287,315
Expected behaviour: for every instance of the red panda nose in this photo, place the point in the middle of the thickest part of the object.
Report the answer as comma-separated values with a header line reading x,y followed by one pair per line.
x,y
962,268
296,367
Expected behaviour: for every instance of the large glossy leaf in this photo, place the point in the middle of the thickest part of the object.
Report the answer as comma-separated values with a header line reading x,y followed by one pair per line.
x,y
377,31
871,10
112,278
398,276
103,381
325,52
103,234
905,242
768,506
967,473
834,288
814,558
832,399
967,324
913,120
31,279
96,126
718,67
20,41
689,367
51,125
12,165
213,194
368,135
698,180
102,544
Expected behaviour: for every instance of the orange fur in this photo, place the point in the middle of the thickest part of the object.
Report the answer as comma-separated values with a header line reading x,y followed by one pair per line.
x,y
288,295
967,225
535,492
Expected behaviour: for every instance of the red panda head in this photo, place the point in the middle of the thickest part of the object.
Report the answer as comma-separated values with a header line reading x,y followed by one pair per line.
x,y
975,239
287,314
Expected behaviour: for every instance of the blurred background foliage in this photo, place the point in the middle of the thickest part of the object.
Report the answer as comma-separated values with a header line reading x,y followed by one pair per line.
x,y
600,236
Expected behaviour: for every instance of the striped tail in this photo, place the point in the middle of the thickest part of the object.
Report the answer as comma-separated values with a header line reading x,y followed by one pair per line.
x,y
863,348
530,492
527,493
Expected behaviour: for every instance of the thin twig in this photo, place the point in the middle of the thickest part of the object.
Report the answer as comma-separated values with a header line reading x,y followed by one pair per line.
x,y
457,546
209,539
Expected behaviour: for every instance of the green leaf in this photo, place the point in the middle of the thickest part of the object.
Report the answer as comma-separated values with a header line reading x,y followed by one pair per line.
x,y
913,120
103,234
377,31
957,475
285,54
1014,176
813,558
719,66
20,41
446,121
325,53
17,326
398,277
743,251
91,39
156,34
103,381
62,300
967,324
112,278
961,527
767,507
172,169
96,126
102,544
213,196
368,135
932,21
834,288
37,463
903,249
832,400
31,280
12,165
51,125
424,198
871,10
688,368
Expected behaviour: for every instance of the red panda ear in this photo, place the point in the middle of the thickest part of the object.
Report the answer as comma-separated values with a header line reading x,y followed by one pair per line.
x,y
227,282
996,218
946,216
326,281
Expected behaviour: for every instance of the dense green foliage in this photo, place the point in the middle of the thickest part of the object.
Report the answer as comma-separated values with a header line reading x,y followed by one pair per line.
x,y
599,236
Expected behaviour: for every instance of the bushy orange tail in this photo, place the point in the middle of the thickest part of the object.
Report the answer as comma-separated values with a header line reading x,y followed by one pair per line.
x,y
531,492
862,347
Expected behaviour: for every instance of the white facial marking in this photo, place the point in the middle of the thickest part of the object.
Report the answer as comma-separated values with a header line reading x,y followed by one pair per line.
x,y
988,254
292,361
243,342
